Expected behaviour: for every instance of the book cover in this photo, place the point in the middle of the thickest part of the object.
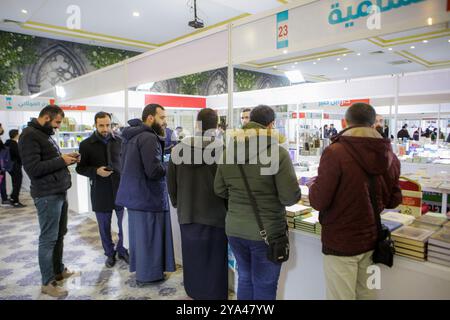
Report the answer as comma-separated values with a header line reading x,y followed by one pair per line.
x,y
410,257
398,217
409,247
441,238
436,221
439,261
297,209
439,255
410,252
426,226
404,241
434,248
412,233
391,225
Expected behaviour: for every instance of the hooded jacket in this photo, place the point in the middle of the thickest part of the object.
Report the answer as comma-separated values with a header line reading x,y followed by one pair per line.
x,y
42,161
272,192
142,185
191,183
341,190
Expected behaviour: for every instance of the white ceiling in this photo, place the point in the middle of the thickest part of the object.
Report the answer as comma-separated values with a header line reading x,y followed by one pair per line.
x,y
365,58
159,21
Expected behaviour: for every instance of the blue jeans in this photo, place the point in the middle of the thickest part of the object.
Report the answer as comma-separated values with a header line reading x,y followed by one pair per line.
x,y
104,227
52,216
257,276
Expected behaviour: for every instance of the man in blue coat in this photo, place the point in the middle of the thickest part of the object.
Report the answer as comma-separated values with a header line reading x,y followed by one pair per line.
x,y
143,192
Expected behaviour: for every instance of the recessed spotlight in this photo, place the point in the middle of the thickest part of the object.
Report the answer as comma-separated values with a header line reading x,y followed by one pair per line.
x,y
448,40
358,54
314,62
338,59
318,59
425,41
412,47
285,51
24,11
295,62
345,69
430,21
344,55
136,14
390,49
274,67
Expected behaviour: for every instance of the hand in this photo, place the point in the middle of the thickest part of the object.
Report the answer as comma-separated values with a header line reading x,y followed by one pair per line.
x,y
76,155
104,173
68,159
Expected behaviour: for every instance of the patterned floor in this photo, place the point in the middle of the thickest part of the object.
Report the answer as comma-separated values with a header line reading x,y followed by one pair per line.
x,y
19,271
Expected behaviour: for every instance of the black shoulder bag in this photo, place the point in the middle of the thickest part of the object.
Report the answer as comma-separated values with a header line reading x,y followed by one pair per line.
x,y
384,250
278,247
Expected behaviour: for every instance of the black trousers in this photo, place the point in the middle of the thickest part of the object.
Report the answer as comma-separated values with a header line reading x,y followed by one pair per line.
x,y
16,177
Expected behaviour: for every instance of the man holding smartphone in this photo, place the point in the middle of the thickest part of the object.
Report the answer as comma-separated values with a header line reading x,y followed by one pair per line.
x,y
100,162
50,180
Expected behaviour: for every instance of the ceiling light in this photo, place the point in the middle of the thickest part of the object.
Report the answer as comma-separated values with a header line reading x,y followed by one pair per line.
x,y
412,47
314,62
60,91
295,76
285,51
425,41
345,69
24,11
430,21
136,14
318,59
296,62
358,54
338,59
390,49
344,55
274,67
448,40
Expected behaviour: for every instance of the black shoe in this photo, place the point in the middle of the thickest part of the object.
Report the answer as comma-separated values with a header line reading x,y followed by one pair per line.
x,y
6,203
125,257
18,205
110,261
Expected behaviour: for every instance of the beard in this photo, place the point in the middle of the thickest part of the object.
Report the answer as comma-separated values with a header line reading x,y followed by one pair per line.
x,y
380,130
160,131
48,126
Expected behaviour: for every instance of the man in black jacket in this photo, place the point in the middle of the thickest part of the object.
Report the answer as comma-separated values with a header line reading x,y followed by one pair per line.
x,y
100,162
16,172
50,180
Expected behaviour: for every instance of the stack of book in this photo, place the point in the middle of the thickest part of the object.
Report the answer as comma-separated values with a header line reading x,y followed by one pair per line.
x,y
307,224
439,247
318,228
404,219
411,242
429,222
297,210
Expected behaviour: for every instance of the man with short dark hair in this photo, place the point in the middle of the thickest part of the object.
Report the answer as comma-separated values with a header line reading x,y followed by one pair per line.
x,y
16,172
143,192
245,116
358,156
403,133
332,132
272,190
50,180
100,162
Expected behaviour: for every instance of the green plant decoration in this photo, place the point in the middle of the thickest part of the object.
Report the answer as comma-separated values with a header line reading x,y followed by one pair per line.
x,y
16,51
245,80
190,84
101,57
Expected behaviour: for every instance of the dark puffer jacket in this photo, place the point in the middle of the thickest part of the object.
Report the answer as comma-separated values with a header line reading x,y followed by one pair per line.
x,y
42,161
341,190
142,184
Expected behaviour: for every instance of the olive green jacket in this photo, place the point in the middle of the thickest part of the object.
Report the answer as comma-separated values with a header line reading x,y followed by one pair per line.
x,y
272,192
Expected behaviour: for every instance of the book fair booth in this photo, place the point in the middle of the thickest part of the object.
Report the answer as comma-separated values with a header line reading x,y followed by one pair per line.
x,y
350,44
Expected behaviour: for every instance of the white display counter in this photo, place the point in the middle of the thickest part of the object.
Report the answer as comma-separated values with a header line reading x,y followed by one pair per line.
x,y
302,275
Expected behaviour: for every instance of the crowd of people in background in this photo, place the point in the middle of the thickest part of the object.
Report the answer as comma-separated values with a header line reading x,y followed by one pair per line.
x,y
218,204
431,133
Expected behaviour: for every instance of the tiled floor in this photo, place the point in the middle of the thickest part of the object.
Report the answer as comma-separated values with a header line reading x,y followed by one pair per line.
x,y
19,271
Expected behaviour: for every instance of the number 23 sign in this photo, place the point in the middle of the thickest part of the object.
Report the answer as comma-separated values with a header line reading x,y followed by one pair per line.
x,y
282,29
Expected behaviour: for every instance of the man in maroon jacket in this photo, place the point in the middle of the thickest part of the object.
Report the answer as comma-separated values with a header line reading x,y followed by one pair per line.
x,y
341,193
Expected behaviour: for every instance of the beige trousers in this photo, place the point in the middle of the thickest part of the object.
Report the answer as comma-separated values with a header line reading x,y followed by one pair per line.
x,y
346,277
